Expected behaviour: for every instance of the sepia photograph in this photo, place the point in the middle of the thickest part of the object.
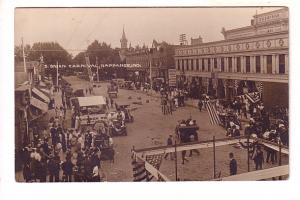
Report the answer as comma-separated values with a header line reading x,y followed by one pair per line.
x,y
151,94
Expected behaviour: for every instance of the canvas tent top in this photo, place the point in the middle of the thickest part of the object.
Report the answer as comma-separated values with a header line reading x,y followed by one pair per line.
x,y
91,101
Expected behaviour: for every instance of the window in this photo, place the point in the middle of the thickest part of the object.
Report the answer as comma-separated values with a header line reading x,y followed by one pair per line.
x,y
230,64
238,64
281,64
203,66
247,63
269,64
257,64
222,65
208,64
178,65
197,64
192,64
215,63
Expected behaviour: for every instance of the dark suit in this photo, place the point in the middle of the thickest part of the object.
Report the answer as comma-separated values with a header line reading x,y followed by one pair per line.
x,y
233,167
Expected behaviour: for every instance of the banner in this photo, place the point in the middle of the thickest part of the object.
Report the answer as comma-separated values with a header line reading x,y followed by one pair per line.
x,y
94,66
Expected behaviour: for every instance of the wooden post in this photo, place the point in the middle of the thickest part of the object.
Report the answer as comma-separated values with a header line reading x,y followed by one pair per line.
x,y
214,150
248,156
279,163
176,176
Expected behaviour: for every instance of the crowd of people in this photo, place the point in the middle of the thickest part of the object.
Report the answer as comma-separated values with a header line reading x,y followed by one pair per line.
x,y
60,154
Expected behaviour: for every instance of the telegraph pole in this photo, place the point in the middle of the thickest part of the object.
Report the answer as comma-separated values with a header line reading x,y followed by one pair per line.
x,y
97,68
57,74
24,59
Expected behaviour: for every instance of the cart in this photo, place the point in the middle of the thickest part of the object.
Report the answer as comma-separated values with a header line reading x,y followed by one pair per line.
x,y
184,133
125,108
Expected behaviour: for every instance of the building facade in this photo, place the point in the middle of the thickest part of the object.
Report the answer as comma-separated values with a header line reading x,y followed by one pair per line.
x,y
156,60
251,58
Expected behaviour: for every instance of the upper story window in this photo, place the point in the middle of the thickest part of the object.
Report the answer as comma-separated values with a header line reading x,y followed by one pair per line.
x,y
192,64
257,64
230,64
222,65
282,64
269,64
215,63
238,64
248,64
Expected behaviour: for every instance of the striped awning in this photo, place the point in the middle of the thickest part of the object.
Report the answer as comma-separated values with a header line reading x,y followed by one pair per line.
x,y
41,94
39,104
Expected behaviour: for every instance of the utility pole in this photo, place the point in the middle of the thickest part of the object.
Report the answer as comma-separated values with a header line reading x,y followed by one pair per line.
x,y
214,151
150,62
57,74
97,68
176,175
24,59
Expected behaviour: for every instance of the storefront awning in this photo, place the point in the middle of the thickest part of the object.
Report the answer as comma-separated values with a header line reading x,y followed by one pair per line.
x,y
41,83
22,88
41,94
39,104
91,101
45,90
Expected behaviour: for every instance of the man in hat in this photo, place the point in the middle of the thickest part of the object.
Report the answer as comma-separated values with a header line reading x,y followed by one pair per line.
x,y
88,139
53,132
200,105
67,168
258,158
235,131
193,139
53,168
232,165
169,143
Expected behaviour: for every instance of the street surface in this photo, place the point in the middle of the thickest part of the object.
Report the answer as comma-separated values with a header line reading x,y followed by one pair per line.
x,y
152,128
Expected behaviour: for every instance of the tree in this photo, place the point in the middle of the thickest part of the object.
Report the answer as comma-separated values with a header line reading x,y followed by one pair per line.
x,y
19,52
103,51
51,52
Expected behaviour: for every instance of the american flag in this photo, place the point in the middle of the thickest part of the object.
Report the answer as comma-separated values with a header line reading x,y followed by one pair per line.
x,y
236,84
260,86
155,160
213,115
139,171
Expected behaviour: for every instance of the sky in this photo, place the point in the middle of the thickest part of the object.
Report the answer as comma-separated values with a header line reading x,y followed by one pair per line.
x,y
75,28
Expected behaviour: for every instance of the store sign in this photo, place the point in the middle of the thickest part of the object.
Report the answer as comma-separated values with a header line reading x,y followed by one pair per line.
x,y
172,77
